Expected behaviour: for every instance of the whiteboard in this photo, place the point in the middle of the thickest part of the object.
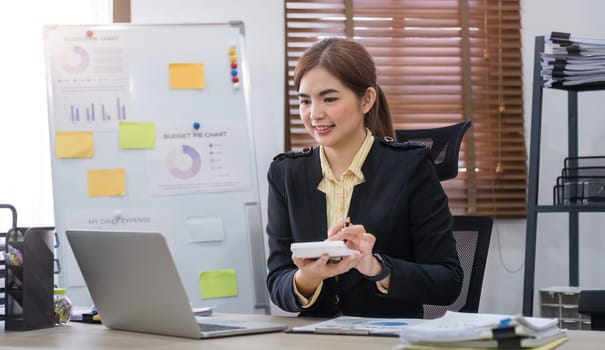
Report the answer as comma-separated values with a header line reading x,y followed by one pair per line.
x,y
151,131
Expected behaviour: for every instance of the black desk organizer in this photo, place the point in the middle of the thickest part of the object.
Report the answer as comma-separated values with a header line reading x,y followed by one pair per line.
x,y
28,302
583,184
2,262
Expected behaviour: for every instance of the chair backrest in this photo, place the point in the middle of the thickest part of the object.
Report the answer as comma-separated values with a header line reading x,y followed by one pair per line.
x,y
472,234
592,303
444,144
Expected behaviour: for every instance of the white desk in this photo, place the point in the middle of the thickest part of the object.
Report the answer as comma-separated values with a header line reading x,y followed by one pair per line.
x,y
93,336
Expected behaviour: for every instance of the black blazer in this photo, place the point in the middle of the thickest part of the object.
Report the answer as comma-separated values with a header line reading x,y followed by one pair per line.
x,y
401,202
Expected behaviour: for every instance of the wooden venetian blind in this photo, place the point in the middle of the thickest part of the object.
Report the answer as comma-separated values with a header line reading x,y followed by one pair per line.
x,y
439,62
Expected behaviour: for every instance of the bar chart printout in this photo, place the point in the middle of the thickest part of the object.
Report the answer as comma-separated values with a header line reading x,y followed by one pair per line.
x,y
90,69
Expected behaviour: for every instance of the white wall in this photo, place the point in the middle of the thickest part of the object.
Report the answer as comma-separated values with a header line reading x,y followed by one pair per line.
x,y
25,176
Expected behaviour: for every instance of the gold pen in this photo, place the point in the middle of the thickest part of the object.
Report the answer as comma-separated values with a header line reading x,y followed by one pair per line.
x,y
336,259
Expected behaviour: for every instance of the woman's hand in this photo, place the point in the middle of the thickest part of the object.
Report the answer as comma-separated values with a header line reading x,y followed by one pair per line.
x,y
312,271
356,237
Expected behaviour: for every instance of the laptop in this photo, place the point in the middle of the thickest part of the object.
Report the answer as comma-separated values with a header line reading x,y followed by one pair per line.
x,y
135,286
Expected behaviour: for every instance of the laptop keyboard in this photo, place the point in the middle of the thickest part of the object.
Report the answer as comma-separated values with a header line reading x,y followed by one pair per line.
x,y
208,327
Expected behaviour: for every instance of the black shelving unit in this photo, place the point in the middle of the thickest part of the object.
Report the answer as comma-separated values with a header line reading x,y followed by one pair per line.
x,y
533,208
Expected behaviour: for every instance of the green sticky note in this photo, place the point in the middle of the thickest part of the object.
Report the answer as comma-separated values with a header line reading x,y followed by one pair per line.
x,y
137,135
218,284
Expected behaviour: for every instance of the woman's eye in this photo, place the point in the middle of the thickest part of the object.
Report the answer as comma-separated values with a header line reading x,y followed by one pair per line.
x,y
303,102
330,99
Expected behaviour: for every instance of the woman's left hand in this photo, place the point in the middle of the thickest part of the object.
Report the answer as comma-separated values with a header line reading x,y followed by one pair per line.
x,y
356,237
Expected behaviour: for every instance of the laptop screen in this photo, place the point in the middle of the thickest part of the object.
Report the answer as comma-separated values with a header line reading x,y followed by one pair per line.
x,y
135,286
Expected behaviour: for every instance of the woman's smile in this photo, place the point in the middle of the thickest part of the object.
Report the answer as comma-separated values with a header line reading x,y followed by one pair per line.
x,y
323,129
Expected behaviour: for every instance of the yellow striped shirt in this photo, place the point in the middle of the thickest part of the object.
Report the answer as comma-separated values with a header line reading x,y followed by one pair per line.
x,y
339,191
338,198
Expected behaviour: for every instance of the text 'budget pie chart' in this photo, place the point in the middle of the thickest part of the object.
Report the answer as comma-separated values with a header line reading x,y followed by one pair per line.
x,y
184,162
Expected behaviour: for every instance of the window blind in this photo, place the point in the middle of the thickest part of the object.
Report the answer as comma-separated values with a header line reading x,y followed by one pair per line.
x,y
439,62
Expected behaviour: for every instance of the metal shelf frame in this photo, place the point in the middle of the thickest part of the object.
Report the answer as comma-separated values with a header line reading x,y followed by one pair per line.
x,y
533,181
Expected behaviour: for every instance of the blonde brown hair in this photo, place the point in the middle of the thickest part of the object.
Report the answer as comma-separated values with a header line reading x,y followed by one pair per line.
x,y
349,62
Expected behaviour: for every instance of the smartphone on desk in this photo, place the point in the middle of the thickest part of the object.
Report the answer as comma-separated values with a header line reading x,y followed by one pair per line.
x,y
313,250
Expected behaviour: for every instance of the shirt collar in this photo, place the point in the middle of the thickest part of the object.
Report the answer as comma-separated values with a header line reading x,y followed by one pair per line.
x,y
357,162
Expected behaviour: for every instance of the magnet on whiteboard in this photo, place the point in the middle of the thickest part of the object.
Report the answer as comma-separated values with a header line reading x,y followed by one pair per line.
x,y
232,44
117,214
236,86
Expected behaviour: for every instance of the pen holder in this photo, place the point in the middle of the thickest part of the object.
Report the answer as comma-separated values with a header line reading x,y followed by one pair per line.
x,y
29,278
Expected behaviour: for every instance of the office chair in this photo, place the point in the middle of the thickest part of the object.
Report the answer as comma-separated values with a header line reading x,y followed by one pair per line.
x,y
472,233
592,303
444,144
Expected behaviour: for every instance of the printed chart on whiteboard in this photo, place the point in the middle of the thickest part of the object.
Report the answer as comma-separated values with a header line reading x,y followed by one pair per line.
x,y
93,72
206,159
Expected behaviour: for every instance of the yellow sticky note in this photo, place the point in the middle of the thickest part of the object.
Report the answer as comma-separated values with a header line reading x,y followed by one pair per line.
x,y
137,135
106,183
218,284
74,144
186,75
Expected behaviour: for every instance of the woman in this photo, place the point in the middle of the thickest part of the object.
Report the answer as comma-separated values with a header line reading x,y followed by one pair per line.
x,y
400,220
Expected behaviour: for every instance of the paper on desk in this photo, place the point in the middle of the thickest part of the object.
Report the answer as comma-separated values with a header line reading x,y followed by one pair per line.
x,y
406,346
457,326
359,326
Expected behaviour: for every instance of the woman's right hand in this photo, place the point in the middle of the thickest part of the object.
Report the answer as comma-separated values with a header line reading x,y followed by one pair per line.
x,y
311,272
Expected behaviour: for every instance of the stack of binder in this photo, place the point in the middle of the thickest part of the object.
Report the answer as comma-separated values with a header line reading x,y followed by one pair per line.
x,y
573,61
582,182
456,330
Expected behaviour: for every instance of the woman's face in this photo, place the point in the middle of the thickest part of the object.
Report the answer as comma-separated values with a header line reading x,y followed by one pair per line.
x,y
330,111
